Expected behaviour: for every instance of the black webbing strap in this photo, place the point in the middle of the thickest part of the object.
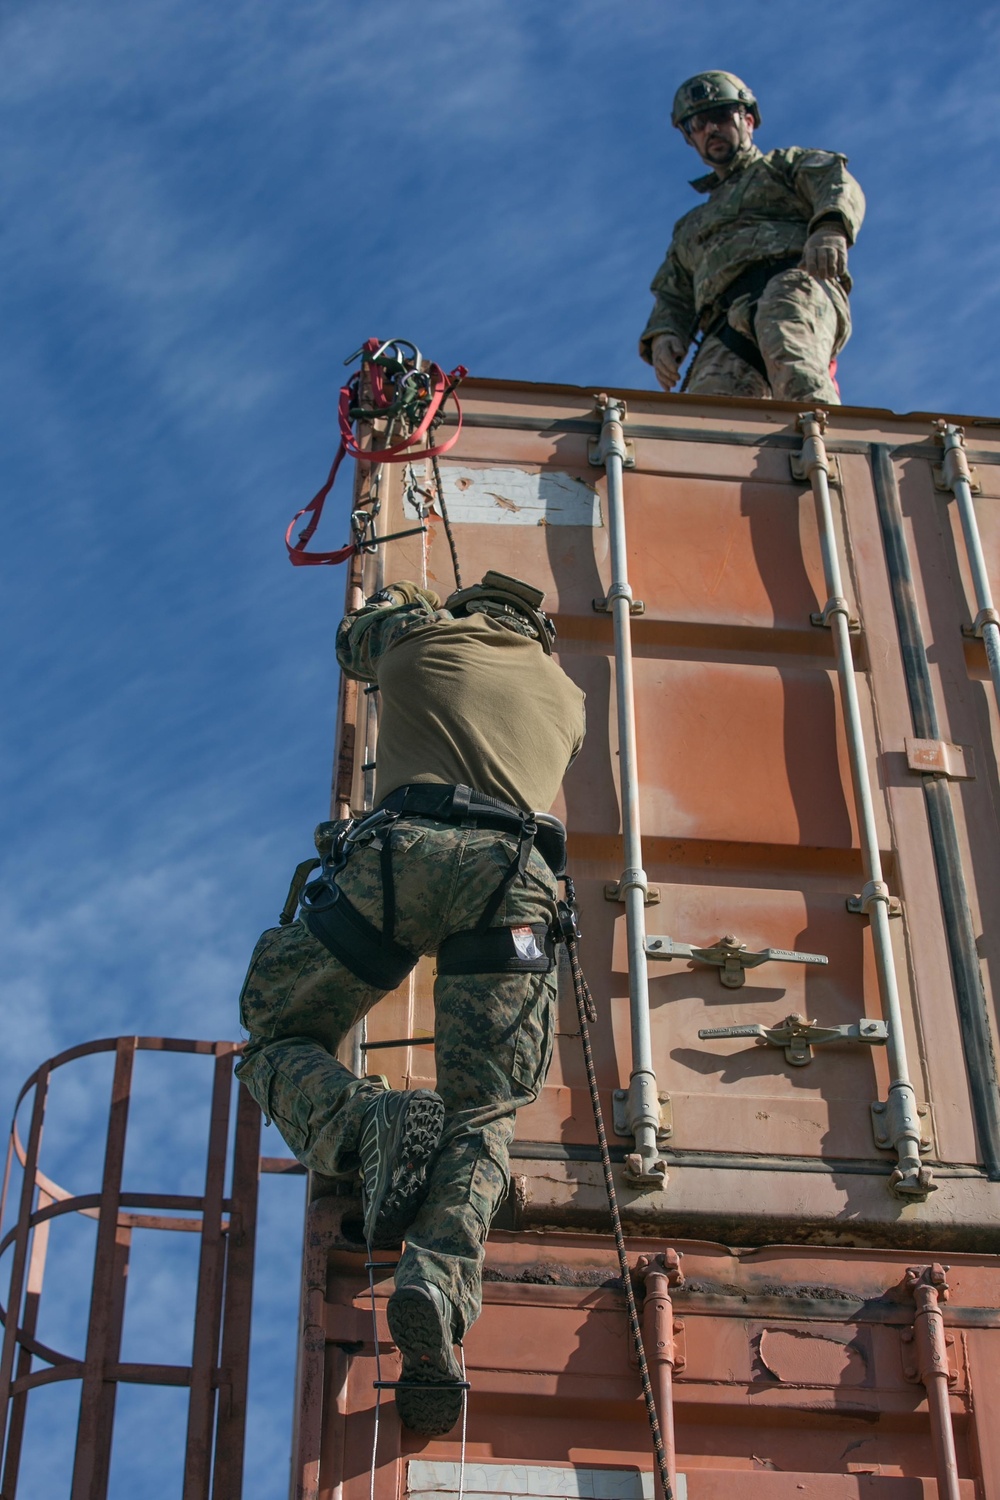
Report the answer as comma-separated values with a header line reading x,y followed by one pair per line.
x,y
502,950
517,866
750,282
358,944
740,345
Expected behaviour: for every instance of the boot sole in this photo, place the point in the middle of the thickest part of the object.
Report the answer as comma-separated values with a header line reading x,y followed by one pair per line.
x,y
433,1403
406,1154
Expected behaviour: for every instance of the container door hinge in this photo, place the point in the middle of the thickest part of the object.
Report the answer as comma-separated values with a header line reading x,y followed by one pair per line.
x,y
910,1370
974,632
679,1353
613,892
946,473
612,438
798,1036
837,606
620,1116
941,758
926,1348
875,890
603,606
595,454
888,1122
730,956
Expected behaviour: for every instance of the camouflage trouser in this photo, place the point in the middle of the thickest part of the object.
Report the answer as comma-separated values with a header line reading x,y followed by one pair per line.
x,y
493,1038
801,323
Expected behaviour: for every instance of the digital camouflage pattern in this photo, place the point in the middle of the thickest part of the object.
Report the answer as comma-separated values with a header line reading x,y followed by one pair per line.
x,y
763,210
365,634
493,1038
800,324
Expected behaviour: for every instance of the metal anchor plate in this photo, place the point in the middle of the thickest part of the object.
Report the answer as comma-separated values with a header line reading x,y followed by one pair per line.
x,y
730,956
798,1036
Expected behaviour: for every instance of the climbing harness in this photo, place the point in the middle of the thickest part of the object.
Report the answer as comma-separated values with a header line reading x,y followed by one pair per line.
x,y
587,1012
374,955
397,385
752,283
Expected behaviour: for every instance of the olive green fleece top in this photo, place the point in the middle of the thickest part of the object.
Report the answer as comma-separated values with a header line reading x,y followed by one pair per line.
x,y
464,701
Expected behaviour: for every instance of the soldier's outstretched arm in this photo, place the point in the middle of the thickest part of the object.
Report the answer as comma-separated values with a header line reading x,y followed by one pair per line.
x,y
365,634
673,312
836,208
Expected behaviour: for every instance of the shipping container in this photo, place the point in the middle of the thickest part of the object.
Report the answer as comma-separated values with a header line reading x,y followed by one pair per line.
x,y
783,829
787,1192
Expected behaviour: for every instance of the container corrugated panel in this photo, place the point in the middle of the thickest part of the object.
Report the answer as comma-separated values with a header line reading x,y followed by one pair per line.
x,y
796,1373
747,810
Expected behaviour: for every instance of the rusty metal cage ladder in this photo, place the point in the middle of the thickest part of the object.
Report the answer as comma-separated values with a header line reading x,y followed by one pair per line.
x,y
645,1166
911,1179
217,1376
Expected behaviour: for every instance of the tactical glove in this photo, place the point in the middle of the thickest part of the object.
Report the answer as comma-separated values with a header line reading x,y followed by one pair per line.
x,y
406,592
668,351
825,253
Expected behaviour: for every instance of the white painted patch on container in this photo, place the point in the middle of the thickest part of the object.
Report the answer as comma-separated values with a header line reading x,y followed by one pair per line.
x,y
431,1480
515,497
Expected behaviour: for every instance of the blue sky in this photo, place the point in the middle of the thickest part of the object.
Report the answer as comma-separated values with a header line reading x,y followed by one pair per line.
x,y
206,209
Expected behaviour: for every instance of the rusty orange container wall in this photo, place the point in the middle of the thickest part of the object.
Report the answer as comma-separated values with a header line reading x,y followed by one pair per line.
x,y
816,1334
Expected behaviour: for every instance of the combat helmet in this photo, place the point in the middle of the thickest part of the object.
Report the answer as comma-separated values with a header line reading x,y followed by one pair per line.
x,y
706,91
509,599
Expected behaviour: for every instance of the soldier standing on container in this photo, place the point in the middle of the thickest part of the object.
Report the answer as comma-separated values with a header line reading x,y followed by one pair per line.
x,y
477,726
760,268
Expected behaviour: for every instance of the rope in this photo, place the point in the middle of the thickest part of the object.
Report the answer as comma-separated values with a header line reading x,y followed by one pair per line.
x,y
447,523
465,1424
587,1012
370,1267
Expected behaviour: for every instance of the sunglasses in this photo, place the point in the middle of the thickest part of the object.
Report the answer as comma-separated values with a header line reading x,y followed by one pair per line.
x,y
721,114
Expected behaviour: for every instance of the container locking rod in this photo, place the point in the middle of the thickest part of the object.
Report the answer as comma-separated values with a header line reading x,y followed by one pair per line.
x,y
645,1167
958,477
911,1179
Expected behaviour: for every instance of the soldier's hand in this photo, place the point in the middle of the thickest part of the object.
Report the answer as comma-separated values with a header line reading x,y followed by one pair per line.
x,y
825,253
668,352
406,592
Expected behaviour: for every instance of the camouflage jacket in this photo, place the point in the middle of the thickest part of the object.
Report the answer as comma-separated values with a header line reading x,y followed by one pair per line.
x,y
764,210
365,634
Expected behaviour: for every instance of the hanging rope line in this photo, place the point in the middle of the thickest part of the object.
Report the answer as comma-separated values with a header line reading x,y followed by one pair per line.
x,y
587,1012
447,526
410,394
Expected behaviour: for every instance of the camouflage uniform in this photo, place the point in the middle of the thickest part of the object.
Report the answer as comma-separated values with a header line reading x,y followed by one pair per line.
x,y
762,211
493,1032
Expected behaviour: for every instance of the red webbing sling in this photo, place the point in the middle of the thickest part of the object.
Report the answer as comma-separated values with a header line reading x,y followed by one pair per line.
x,y
385,399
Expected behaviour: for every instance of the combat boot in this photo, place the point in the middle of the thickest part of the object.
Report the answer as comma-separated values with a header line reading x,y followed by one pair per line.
x,y
399,1135
429,1398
